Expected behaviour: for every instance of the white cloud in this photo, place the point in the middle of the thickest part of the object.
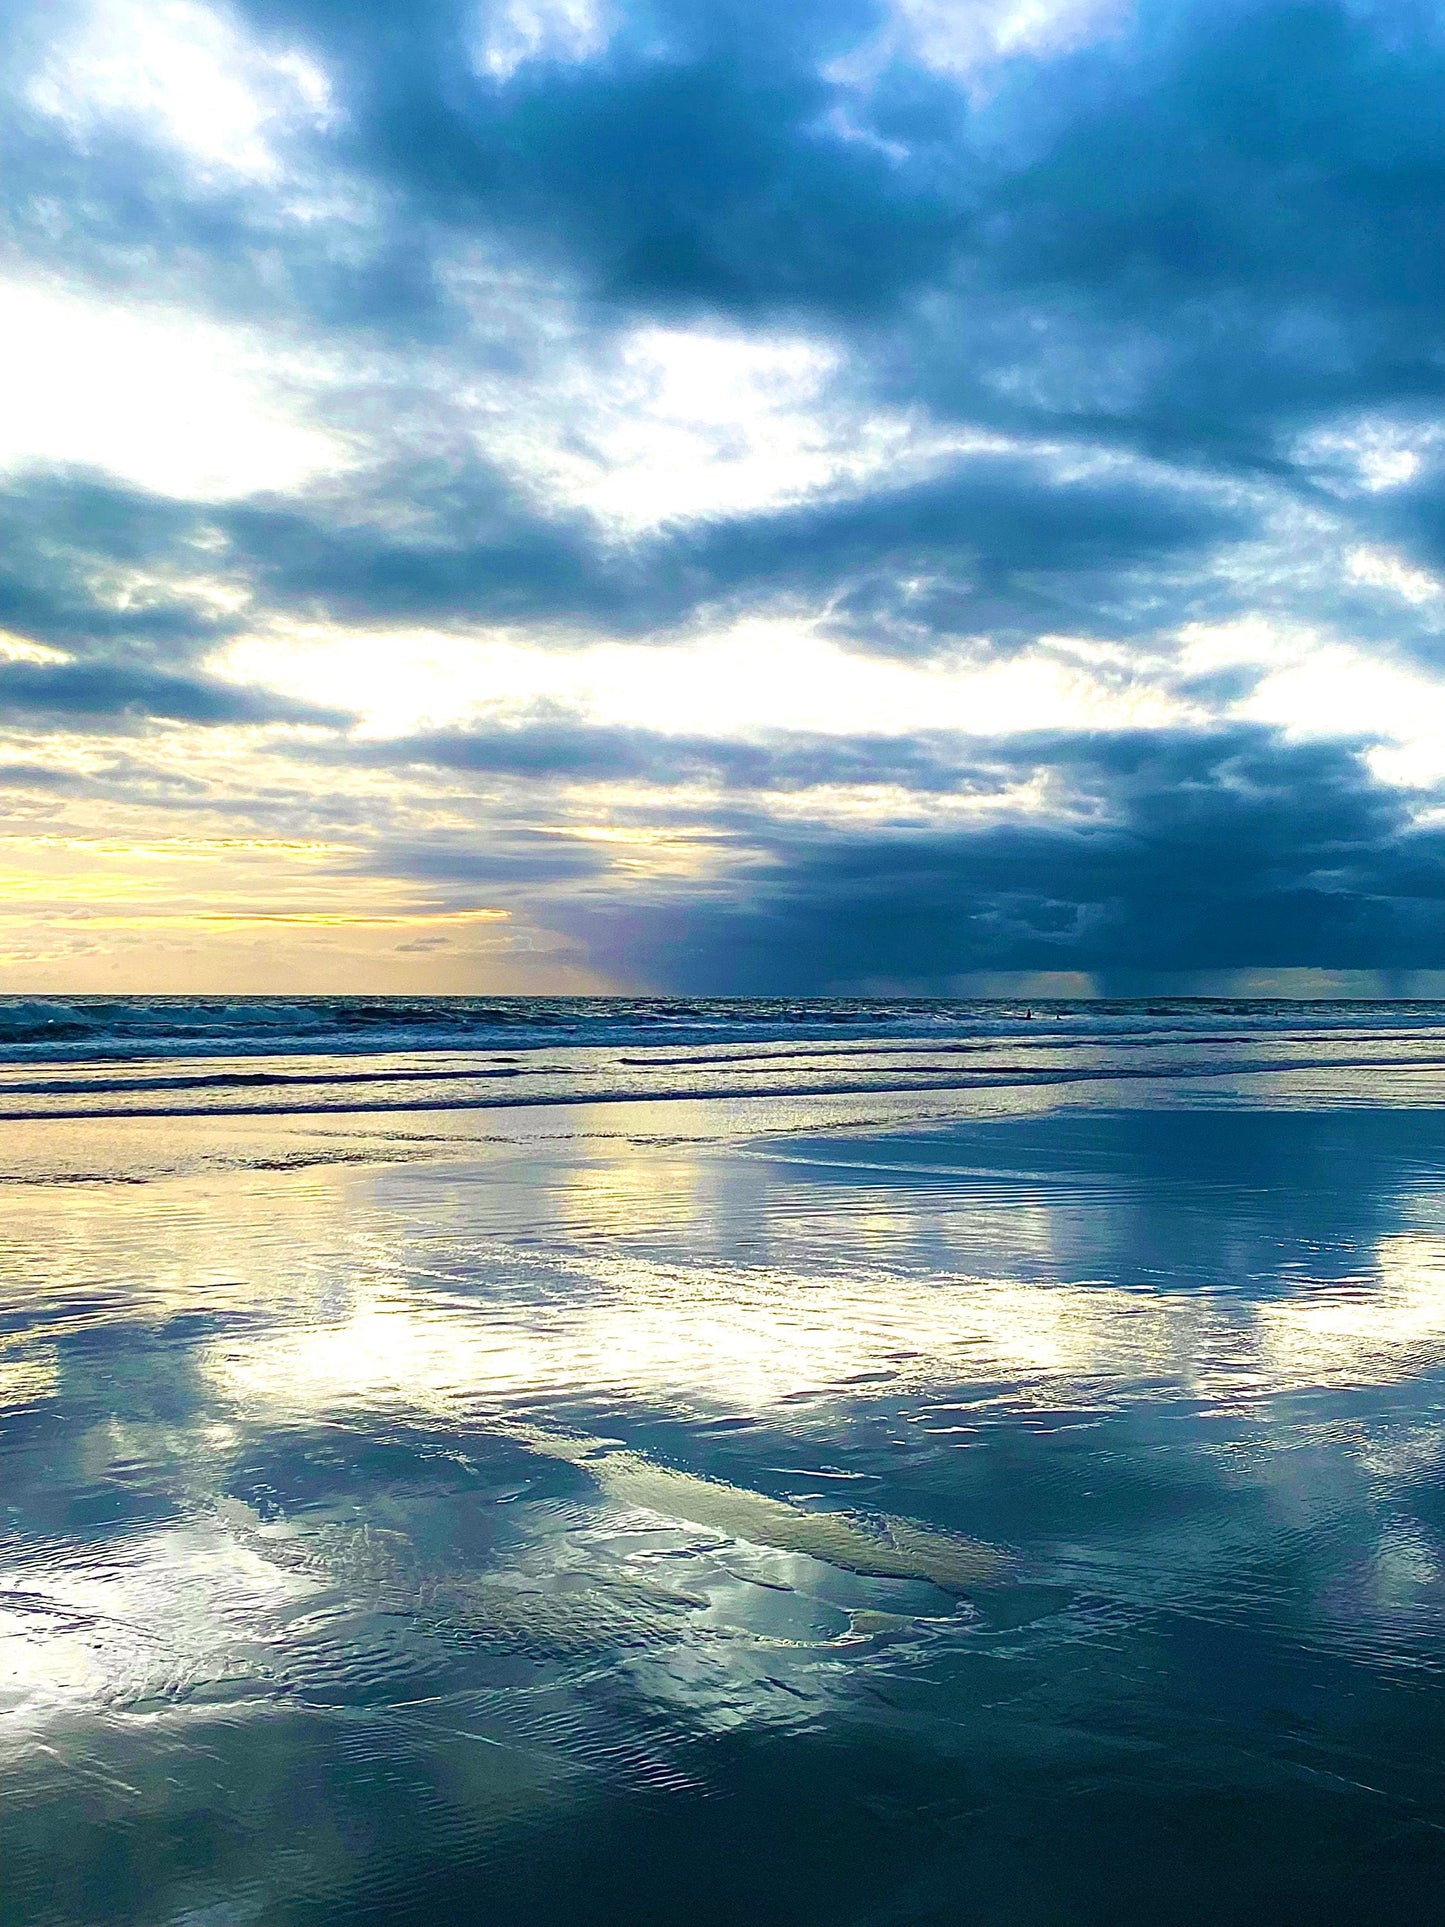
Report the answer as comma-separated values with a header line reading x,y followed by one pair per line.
x,y
1372,453
186,74
1388,467
1247,642
1382,570
1314,687
155,396
762,674
519,31
959,36
673,424
969,40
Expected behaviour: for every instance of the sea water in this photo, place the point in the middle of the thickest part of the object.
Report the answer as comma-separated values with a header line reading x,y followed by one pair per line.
x,y
580,1461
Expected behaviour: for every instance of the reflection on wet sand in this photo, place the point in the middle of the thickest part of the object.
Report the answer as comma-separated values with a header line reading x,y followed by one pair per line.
x,y
407,1540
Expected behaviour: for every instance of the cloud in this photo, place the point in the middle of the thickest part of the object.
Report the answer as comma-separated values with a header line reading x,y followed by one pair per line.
x,y
90,567
117,693
159,398
35,776
1220,238
107,599
877,398
1000,545
184,71
1180,853
1003,545
562,748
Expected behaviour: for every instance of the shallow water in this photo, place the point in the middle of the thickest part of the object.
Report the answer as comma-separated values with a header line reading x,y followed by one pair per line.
x,y
1013,1504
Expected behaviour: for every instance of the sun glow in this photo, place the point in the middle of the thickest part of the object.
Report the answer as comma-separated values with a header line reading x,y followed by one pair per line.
x,y
778,673
163,398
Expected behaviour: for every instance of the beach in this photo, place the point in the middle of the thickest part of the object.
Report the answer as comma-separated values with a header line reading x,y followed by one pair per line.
x,y
595,1461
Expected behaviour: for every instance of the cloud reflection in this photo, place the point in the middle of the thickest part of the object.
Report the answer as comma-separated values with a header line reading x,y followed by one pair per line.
x,y
563,1478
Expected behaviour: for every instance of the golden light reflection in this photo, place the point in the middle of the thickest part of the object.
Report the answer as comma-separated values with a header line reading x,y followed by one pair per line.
x,y
355,1316
702,1338
334,1295
32,1375
1376,1328
285,1244
714,1336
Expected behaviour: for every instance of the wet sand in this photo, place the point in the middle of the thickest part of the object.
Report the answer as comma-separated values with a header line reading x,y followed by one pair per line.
x,y
725,1512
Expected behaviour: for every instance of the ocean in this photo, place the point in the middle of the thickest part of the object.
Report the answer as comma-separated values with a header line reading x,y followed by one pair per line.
x,y
602,1461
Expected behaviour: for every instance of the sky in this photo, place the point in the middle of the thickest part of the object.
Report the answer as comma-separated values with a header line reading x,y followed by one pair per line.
x,y
902,497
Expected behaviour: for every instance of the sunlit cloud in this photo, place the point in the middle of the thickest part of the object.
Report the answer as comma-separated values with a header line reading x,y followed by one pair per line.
x,y
1374,453
960,36
1384,571
969,41
400,683
162,398
680,423
1311,685
1315,688
185,74
516,32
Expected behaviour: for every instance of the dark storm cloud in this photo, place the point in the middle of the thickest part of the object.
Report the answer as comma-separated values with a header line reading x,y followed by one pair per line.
x,y
1226,178
1196,235
1249,207
100,573
481,555
1230,211
995,545
550,748
690,168
1227,850
111,693
1179,851
998,546
84,566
